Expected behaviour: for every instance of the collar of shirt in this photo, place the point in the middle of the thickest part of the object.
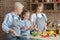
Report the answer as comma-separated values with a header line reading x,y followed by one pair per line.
x,y
39,15
15,16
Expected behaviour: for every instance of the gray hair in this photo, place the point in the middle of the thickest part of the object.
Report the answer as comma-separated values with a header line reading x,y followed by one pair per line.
x,y
18,4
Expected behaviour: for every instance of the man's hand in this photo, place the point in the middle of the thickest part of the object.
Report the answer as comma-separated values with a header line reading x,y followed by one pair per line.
x,y
12,31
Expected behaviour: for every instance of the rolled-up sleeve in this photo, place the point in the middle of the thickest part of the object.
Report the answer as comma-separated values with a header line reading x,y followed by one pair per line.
x,y
6,23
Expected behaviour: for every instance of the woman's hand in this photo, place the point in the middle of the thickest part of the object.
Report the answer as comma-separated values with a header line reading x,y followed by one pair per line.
x,y
37,29
45,26
24,28
31,27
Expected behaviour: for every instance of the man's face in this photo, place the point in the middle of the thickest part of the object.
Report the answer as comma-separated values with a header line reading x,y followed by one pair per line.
x,y
19,10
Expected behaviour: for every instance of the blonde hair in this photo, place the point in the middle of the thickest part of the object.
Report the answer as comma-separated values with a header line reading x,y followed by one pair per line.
x,y
40,5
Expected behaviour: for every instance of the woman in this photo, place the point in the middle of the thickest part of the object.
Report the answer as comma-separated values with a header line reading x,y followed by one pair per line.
x,y
39,19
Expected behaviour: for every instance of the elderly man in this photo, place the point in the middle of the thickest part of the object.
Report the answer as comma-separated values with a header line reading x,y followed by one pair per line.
x,y
11,23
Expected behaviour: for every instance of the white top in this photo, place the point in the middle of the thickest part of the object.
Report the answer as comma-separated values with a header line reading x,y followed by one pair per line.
x,y
33,16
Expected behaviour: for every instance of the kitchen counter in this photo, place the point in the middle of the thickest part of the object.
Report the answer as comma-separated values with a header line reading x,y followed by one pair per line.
x,y
40,38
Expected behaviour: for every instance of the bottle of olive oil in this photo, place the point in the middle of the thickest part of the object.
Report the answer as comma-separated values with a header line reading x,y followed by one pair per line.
x,y
47,0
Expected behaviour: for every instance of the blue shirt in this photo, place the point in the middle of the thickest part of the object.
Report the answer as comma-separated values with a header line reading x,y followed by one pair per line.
x,y
26,24
8,21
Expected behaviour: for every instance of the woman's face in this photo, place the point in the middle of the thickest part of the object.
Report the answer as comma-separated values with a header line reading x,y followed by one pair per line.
x,y
39,9
26,15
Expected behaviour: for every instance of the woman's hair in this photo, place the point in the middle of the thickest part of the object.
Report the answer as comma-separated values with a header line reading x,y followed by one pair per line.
x,y
40,5
23,13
